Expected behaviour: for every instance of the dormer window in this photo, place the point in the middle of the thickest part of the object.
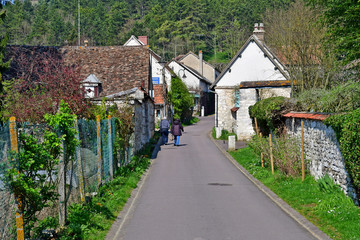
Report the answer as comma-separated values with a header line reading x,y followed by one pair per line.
x,y
92,86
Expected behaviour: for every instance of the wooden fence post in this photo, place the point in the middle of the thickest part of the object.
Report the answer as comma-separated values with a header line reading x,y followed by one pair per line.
x,y
256,127
79,164
271,154
99,148
302,151
62,186
110,149
19,213
261,154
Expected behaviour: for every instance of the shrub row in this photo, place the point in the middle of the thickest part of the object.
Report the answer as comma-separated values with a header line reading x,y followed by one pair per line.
x,y
268,113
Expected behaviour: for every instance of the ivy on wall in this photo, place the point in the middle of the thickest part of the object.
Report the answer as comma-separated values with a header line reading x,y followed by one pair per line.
x,y
347,128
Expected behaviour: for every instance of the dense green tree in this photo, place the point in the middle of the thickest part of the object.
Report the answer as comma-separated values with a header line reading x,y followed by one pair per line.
x,y
40,24
115,20
174,26
180,99
342,20
3,65
18,21
57,32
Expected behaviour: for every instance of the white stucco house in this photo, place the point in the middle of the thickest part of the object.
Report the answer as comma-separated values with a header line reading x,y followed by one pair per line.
x,y
202,67
194,81
253,74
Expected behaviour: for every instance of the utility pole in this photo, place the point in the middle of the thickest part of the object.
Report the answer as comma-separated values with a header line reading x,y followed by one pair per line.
x,y
78,22
215,48
175,49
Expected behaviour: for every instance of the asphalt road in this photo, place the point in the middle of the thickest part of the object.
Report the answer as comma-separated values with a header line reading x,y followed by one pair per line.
x,y
193,192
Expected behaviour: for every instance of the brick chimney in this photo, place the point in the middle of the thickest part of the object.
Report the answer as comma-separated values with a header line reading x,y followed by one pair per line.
x,y
201,62
259,32
144,40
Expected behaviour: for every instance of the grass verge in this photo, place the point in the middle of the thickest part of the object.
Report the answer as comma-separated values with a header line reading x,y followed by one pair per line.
x,y
94,219
322,202
224,134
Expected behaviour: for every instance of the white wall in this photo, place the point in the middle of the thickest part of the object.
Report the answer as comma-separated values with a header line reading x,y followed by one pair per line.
x,y
156,69
133,42
191,82
252,66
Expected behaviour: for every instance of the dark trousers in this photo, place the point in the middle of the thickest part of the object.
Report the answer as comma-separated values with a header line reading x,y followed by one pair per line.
x,y
164,135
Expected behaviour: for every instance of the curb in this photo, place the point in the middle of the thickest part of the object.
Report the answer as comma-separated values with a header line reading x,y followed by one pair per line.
x,y
300,219
115,231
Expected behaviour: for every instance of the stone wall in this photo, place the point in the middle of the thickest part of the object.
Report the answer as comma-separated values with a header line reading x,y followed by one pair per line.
x,y
323,152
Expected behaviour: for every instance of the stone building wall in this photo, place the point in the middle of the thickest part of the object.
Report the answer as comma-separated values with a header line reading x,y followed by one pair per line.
x,y
144,120
322,149
239,121
274,92
224,116
144,123
244,129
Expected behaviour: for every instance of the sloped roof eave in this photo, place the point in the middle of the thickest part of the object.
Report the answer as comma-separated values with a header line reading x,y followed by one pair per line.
x,y
193,72
190,52
265,50
133,38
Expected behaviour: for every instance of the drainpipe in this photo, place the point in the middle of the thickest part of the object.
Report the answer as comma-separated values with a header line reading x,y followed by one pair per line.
x,y
201,62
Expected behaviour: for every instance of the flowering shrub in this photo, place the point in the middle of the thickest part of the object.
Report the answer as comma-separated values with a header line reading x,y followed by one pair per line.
x,y
40,81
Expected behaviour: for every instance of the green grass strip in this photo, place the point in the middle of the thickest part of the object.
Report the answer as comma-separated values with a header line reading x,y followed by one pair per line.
x,y
93,220
330,210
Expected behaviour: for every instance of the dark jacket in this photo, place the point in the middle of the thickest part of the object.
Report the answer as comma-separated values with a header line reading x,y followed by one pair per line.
x,y
176,128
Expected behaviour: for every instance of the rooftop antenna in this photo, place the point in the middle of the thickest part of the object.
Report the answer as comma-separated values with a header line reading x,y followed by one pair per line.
x,y
78,22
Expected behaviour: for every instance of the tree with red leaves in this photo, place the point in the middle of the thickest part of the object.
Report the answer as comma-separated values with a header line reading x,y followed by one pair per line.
x,y
37,81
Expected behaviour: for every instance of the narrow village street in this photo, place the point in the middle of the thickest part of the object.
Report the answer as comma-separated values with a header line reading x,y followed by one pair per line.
x,y
193,192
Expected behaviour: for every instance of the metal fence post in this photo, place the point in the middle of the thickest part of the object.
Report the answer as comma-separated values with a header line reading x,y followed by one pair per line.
x,y
110,149
99,148
19,213
302,152
62,186
79,164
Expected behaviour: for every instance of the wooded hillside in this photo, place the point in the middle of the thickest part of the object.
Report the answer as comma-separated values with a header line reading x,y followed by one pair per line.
x,y
173,26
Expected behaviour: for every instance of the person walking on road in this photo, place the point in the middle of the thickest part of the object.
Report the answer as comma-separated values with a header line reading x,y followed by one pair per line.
x,y
164,130
176,129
